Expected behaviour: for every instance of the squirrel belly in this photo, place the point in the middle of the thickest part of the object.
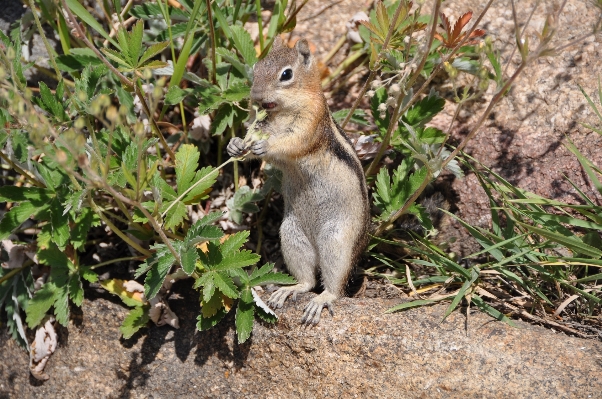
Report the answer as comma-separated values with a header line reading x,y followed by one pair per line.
x,y
326,217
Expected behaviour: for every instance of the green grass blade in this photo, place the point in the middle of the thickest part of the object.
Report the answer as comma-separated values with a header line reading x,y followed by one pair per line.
x,y
491,311
573,243
414,304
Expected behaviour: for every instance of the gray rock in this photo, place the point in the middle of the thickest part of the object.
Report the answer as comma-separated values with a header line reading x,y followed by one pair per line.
x,y
360,352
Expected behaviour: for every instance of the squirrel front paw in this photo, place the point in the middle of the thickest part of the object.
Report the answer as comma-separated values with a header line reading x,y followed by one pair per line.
x,y
236,147
259,148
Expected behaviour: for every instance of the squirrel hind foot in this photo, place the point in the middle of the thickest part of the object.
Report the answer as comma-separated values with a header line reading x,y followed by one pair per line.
x,y
313,310
278,298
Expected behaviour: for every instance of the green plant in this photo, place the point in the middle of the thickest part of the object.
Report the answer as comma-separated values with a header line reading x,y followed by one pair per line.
x,y
94,152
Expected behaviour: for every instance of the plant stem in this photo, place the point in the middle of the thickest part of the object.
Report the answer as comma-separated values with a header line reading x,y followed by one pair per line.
x,y
116,230
372,75
22,172
212,37
397,112
82,35
235,166
115,261
259,24
348,61
260,220
140,94
13,272
335,49
46,43
193,186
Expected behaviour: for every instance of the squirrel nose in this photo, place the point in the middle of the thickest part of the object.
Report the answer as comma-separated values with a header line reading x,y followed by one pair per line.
x,y
256,94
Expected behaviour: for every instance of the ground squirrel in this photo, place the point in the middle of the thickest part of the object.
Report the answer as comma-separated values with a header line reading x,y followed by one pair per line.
x,y
326,213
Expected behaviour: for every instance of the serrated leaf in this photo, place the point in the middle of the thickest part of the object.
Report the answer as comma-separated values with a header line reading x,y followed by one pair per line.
x,y
203,180
19,194
76,290
134,321
152,51
176,215
424,110
225,285
61,304
175,95
272,278
236,92
237,260
158,266
188,258
235,241
205,323
134,39
15,217
244,316
39,304
88,274
59,223
118,58
230,57
244,44
187,161
210,309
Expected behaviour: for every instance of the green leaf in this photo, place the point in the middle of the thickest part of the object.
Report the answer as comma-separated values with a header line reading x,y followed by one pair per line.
x,y
235,241
84,15
134,42
134,321
230,57
40,303
359,117
187,161
244,316
175,95
76,290
77,62
176,215
180,66
244,44
225,285
158,266
205,323
19,194
424,110
59,223
15,217
152,51
243,201
152,10
237,92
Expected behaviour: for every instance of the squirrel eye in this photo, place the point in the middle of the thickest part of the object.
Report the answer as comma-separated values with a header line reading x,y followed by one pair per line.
x,y
287,74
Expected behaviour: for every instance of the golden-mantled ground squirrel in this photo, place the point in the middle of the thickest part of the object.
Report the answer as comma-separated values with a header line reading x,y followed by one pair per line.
x,y
326,213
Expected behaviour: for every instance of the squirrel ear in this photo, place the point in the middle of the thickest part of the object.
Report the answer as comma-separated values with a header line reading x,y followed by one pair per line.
x,y
303,48
278,42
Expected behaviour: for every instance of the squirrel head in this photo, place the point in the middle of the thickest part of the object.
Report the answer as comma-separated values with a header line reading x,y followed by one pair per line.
x,y
287,78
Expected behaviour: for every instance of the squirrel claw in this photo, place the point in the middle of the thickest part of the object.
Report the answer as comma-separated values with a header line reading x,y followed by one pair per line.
x,y
313,310
236,147
259,148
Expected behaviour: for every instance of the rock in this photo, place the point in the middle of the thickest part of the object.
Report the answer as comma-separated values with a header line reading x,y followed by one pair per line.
x,y
360,352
